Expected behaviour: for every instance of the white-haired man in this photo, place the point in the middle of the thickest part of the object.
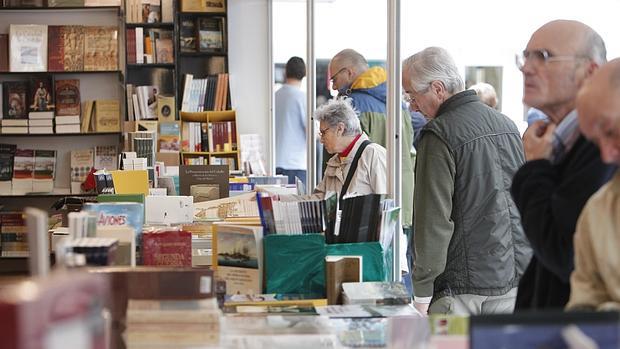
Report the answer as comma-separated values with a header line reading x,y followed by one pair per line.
x,y
470,250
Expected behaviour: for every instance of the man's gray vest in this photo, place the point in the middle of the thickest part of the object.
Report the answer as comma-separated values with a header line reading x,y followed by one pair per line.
x,y
488,251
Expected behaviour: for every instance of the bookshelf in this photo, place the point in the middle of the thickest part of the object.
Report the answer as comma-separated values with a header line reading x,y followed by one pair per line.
x,y
222,138
93,85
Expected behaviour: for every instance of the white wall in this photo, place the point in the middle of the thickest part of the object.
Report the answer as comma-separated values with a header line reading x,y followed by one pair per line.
x,y
248,60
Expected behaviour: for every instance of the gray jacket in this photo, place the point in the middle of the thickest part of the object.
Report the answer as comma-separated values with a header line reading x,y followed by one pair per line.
x,y
468,235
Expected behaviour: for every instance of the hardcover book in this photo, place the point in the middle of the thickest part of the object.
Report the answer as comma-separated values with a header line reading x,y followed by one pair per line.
x,y
41,97
73,52
107,115
4,52
28,47
167,248
82,161
44,169
208,182
119,214
55,48
169,136
165,53
100,48
106,157
14,100
7,156
23,171
211,34
188,35
68,97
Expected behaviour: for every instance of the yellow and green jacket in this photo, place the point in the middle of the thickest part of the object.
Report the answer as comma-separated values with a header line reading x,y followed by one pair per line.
x,y
368,96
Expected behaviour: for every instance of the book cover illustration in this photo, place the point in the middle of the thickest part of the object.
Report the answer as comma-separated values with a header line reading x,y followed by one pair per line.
x,y
28,47
73,39
210,34
107,114
68,97
169,248
169,137
81,164
100,48
7,155
188,35
165,53
105,157
15,99
41,94
23,166
193,175
44,164
215,6
119,214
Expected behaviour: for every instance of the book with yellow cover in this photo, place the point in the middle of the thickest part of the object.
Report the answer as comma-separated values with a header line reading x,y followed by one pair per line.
x,y
107,115
131,182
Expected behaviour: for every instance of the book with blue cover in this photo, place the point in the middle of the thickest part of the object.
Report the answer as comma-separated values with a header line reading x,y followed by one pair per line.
x,y
119,214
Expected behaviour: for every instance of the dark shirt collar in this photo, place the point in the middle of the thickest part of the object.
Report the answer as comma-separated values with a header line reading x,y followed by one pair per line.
x,y
457,100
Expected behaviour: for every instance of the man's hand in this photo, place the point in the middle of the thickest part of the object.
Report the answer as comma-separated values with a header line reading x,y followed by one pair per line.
x,y
537,141
421,307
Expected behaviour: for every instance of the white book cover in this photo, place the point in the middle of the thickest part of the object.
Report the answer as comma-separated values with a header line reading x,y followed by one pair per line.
x,y
136,107
15,130
40,122
15,122
41,115
28,47
167,11
68,128
186,91
139,45
40,129
68,119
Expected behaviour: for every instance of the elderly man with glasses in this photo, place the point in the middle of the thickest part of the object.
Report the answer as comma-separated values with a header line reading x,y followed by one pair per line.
x,y
470,250
563,168
366,88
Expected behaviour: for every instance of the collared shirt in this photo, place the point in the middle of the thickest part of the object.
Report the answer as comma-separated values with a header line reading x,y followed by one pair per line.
x,y
346,152
564,137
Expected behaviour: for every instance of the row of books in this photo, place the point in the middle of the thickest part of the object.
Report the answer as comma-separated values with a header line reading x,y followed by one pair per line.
x,y
203,34
149,11
59,3
364,218
41,48
13,235
297,217
84,160
153,46
142,102
231,162
220,136
210,93
26,170
39,98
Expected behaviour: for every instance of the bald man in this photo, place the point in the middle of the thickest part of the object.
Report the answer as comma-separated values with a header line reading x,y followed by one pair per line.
x,y
596,280
563,168
366,87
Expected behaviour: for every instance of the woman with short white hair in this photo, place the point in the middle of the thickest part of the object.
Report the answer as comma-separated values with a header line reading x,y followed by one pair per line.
x,y
357,165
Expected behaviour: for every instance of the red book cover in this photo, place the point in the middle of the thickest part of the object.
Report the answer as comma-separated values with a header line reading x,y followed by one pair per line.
x,y
63,307
131,46
167,248
234,135
55,48
68,100
4,52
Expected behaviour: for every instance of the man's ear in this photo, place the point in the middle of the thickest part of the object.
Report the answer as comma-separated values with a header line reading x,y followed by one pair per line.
x,y
439,89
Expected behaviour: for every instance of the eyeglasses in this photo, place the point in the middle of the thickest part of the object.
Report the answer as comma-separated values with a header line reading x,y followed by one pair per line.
x,y
541,57
323,131
338,72
408,95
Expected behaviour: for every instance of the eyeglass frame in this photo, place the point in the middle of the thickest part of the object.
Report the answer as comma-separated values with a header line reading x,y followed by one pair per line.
x,y
331,79
543,57
409,99
323,131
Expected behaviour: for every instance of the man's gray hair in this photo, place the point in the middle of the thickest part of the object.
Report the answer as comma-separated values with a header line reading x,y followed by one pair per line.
x,y
433,64
351,59
339,110
594,47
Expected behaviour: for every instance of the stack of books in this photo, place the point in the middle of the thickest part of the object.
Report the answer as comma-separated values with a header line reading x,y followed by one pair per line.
x,y
172,323
13,235
97,251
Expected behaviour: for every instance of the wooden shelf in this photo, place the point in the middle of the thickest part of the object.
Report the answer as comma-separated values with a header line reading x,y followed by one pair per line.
x,y
203,54
210,116
151,65
48,195
219,153
202,14
60,72
35,135
72,9
151,25
195,153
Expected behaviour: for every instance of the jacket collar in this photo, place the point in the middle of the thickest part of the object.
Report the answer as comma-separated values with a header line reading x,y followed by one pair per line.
x,y
372,77
457,100
336,164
